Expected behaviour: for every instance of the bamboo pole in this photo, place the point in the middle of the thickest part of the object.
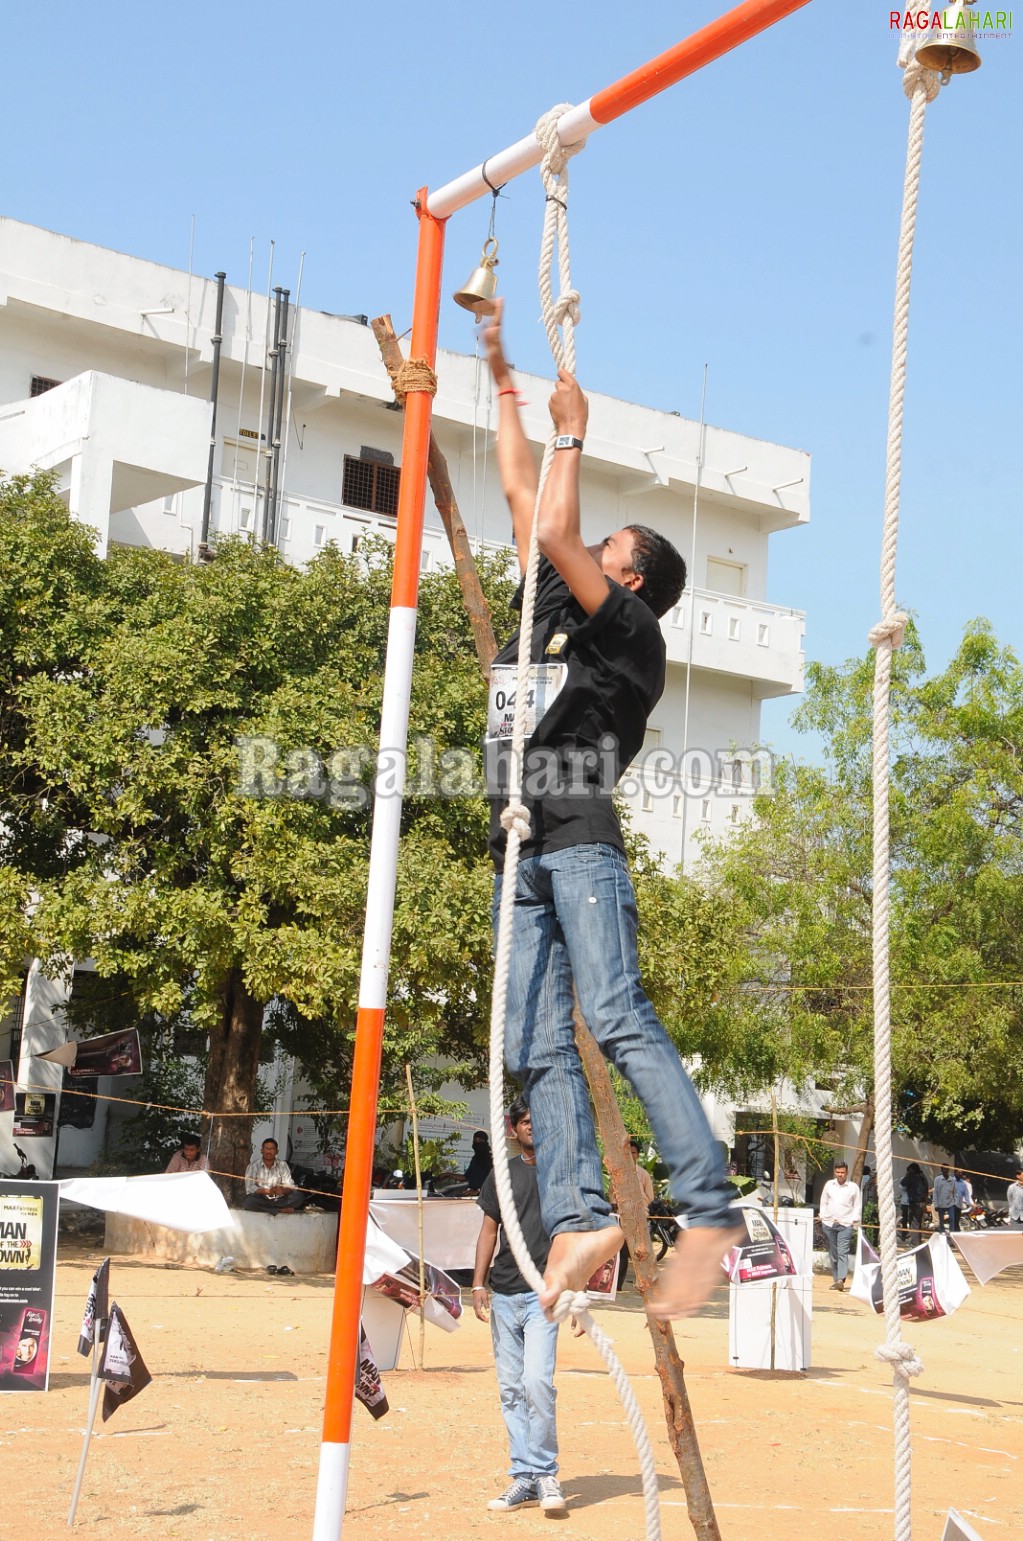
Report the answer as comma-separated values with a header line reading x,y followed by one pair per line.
x,y
419,1217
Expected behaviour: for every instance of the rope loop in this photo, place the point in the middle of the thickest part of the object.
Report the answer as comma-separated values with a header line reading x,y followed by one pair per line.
x,y
556,155
902,1357
892,630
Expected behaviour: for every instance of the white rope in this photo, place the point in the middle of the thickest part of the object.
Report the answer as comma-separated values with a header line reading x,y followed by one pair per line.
x,y
921,86
560,317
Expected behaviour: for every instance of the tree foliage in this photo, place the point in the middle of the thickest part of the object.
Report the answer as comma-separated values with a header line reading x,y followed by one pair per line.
x,y
801,875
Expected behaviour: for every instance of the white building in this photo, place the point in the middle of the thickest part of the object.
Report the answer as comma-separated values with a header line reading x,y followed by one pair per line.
x,y
106,369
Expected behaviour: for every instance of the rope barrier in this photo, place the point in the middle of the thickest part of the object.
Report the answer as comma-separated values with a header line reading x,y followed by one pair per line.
x,y
921,86
560,317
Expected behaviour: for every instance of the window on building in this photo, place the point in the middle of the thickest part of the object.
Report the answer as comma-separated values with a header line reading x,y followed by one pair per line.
x,y
733,628
371,483
319,536
705,810
40,385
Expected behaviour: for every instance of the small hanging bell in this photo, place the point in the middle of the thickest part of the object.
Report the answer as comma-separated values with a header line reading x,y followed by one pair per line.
x,y
478,291
952,50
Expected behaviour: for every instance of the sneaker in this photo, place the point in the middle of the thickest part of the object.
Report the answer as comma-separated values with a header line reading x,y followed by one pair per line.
x,y
552,1499
521,1495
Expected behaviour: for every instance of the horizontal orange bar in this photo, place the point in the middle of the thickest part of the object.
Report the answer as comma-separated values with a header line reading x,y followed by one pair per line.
x,y
717,38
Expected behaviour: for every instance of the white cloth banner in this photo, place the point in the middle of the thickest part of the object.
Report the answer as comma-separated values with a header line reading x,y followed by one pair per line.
x,y
931,1282
988,1252
183,1201
451,1228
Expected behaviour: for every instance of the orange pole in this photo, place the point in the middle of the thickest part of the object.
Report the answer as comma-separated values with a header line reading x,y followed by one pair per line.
x,y
343,1354
717,38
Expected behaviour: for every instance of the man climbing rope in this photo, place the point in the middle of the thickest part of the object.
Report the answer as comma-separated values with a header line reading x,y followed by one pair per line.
x,y
598,665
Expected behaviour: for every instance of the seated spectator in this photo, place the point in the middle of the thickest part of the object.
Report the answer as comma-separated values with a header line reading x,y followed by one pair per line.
x,y
189,1158
269,1189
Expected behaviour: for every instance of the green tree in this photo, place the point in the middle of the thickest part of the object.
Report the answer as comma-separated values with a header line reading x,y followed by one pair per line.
x,y
128,687
800,873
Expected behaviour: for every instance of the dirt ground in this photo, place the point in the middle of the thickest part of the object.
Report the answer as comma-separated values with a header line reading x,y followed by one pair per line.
x,y
224,1444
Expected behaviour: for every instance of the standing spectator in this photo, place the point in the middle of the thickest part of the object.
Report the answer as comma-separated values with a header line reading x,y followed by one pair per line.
x,y
841,1206
1015,1197
189,1158
943,1201
964,1197
481,1163
902,1200
916,1192
525,1342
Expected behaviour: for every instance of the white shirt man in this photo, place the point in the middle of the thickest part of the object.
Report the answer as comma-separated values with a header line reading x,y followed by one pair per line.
x,y
841,1207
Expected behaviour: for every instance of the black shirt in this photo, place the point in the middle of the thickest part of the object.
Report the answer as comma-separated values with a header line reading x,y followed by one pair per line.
x,y
603,675
505,1278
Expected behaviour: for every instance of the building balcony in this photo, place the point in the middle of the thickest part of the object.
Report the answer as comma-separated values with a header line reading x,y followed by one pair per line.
x,y
747,638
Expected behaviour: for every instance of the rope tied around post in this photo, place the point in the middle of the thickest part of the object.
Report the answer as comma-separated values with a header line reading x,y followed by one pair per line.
x,y
560,318
415,374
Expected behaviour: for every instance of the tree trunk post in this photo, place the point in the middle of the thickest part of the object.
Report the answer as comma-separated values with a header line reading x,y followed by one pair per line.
x,y
476,606
632,1210
231,1074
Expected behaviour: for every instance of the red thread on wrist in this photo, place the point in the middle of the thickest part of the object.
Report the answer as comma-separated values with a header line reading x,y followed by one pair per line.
x,y
509,390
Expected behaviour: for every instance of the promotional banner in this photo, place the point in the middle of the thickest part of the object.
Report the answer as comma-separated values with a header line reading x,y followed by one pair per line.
x,y
6,1086
393,1272
369,1387
765,1254
34,1113
931,1282
109,1054
122,1369
28,1251
97,1307
988,1252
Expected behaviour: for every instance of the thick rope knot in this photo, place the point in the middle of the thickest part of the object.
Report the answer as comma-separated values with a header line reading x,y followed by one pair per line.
x,y
415,374
892,630
515,816
567,305
556,155
902,1357
916,75
570,1303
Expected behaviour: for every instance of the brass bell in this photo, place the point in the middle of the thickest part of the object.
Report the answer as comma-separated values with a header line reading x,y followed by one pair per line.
x,y
478,291
951,51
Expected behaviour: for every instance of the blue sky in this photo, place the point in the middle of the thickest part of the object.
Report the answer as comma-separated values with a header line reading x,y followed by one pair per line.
x,y
747,219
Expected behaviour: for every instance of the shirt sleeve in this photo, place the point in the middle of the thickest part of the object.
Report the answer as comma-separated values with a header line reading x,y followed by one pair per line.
x,y
487,1200
174,1164
284,1178
251,1185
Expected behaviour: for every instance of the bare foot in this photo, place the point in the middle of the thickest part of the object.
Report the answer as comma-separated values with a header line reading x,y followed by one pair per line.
x,y
575,1257
688,1279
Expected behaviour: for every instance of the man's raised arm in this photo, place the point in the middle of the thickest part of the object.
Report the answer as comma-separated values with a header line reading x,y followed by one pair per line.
x,y
519,477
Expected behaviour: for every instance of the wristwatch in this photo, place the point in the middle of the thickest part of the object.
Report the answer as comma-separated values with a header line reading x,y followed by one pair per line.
x,y
567,441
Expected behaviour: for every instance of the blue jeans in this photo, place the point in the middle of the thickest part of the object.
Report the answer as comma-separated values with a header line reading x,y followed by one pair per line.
x,y
575,924
840,1240
525,1344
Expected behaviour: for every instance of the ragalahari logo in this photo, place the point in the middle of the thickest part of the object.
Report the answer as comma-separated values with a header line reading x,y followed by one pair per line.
x,y
964,18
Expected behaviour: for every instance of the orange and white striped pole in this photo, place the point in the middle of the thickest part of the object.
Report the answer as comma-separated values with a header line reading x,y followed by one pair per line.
x,y
740,24
343,1357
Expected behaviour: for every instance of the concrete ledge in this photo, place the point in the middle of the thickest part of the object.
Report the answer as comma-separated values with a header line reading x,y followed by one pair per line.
x,y
306,1243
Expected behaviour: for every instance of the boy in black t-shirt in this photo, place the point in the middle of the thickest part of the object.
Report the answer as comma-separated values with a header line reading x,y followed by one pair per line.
x,y
597,670
525,1341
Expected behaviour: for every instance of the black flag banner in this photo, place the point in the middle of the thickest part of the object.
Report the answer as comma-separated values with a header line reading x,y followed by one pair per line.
x,y
97,1307
368,1386
122,1368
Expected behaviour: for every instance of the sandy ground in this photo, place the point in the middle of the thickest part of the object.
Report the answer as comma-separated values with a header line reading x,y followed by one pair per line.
x,y
224,1443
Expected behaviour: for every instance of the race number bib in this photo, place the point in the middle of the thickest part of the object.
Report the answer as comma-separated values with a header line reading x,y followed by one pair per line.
x,y
545,683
